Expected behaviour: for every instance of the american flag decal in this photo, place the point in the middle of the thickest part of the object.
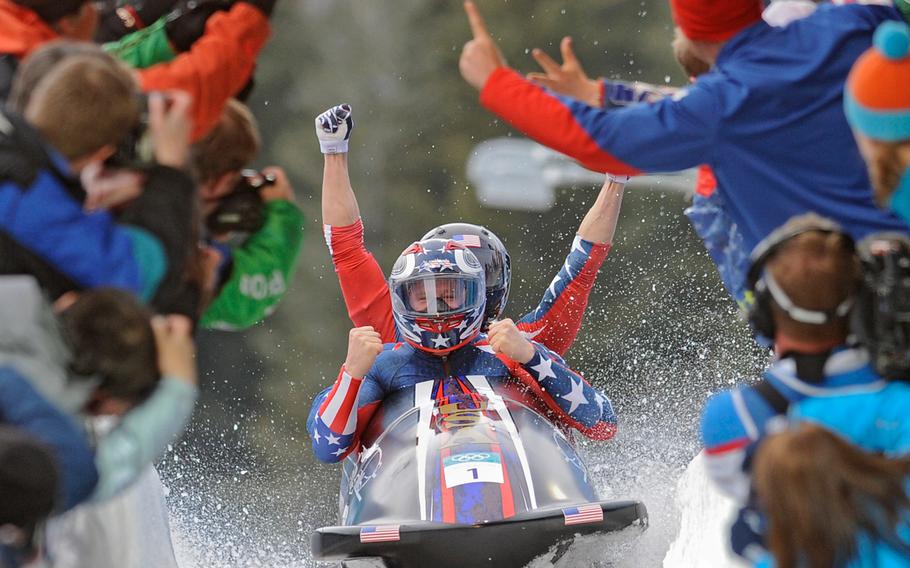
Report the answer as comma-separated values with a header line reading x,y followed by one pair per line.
x,y
471,241
581,515
385,533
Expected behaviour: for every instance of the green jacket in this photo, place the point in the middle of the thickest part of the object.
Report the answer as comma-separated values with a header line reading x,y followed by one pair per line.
x,y
144,48
262,270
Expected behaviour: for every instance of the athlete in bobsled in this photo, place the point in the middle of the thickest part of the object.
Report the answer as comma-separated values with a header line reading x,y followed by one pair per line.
x,y
438,304
556,320
454,429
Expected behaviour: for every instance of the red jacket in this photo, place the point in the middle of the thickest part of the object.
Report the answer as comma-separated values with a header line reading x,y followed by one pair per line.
x,y
215,69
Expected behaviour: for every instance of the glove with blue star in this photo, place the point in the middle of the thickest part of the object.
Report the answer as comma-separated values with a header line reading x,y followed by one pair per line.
x,y
333,129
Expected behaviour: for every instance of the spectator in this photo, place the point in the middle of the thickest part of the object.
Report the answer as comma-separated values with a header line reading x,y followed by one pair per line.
x,y
877,105
26,24
750,118
146,255
254,272
829,503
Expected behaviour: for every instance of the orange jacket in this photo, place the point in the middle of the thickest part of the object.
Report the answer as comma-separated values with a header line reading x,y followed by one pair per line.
x,y
218,65
22,30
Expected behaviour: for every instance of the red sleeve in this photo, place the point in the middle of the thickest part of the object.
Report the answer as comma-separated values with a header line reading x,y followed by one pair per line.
x,y
217,67
556,320
363,284
543,117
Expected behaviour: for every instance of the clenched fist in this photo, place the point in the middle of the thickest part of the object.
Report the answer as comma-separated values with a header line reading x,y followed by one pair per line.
x,y
506,339
333,129
364,345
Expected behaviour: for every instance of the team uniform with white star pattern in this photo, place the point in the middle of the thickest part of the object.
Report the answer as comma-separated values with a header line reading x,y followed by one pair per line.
x,y
341,413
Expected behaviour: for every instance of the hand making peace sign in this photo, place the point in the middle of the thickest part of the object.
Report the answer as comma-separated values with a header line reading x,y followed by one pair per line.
x,y
480,56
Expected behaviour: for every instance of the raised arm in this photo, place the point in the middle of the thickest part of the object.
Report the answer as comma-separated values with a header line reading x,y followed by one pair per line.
x,y
218,65
564,391
669,135
556,320
362,281
341,412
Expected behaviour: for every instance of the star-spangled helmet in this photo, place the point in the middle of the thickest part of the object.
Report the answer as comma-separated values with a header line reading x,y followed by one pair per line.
x,y
491,253
438,295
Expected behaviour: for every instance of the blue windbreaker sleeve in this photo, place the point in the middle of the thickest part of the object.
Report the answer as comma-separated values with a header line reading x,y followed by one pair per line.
x,y
668,135
571,392
21,406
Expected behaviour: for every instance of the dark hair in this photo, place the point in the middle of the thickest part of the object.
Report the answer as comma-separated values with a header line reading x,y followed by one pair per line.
x,y
52,10
110,335
29,480
821,493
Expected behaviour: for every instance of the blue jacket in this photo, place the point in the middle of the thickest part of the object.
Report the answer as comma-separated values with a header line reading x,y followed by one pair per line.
x,y
45,232
21,406
768,119
735,421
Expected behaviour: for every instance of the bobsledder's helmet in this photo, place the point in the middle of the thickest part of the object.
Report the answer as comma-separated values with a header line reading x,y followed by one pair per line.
x,y
491,253
438,299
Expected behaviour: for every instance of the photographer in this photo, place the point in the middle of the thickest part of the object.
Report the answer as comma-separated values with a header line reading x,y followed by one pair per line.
x,y
256,210
147,251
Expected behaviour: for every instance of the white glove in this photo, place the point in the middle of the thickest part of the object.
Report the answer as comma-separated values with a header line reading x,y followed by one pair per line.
x,y
333,129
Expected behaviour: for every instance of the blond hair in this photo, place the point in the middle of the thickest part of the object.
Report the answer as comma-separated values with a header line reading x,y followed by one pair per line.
x,y
83,104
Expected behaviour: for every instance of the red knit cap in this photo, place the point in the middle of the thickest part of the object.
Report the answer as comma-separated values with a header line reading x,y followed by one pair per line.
x,y
714,20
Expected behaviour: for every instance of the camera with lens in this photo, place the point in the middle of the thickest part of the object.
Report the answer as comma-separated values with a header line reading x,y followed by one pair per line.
x,y
882,312
242,210
137,150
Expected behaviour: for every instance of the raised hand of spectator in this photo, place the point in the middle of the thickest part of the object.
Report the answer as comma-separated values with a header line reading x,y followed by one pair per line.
x,y
480,56
170,126
279,190
176,349
567,79
333,129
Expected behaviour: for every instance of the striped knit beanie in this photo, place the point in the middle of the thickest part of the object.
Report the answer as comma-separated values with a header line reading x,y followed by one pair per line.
x,y
877,95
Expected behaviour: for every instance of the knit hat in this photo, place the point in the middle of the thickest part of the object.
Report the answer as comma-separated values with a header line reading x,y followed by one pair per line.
x,y
877,96
52,10
714,20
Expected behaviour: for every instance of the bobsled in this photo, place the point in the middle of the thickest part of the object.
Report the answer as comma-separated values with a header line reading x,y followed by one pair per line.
x,y
459,473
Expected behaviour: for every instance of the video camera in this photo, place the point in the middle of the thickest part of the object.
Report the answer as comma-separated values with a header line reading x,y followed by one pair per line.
x,y
137,150
241,210
882,311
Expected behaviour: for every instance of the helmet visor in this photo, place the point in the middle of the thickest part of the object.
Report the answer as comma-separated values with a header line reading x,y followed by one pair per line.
x,y
439,295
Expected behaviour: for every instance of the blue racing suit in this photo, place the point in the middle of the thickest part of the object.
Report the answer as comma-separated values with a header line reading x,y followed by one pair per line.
x,y
340,413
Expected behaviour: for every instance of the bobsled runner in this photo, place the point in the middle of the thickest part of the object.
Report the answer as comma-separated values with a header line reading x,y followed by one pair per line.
x,y
459,473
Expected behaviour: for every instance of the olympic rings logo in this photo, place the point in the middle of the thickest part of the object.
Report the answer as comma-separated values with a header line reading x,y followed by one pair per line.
x,y
472,457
